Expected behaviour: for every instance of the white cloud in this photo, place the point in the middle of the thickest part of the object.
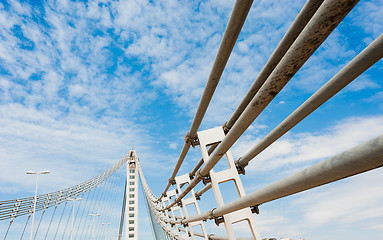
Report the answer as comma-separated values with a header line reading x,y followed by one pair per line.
x,y
32,139
173,145
338,202
368,15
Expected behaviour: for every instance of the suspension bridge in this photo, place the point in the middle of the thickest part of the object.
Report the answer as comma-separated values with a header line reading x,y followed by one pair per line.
x,y
88,210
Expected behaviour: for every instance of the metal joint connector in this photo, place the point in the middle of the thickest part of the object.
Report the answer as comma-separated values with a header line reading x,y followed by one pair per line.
x,y
211,215
240,168
198,175
193,141
218,220
255,209
225,128
206,180
198,197
172,182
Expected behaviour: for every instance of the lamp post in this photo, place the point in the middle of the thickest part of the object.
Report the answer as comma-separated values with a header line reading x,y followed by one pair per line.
x,y
74,201
94,215
106,229
35,200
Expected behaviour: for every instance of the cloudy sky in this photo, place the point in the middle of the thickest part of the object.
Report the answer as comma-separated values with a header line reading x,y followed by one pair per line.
x,y
83,82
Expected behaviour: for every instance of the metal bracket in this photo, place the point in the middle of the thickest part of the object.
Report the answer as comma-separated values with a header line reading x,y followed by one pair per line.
x,y
172,182
206,180
225,128
218,220
255,209
193,141
240,168
191,176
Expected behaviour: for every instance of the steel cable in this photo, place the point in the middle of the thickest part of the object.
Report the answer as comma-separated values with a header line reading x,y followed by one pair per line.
x,y
25,226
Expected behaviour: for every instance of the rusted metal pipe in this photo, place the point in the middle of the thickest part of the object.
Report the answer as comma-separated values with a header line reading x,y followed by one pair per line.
x,y
362,158
364,60
304,16
324,21
237,19
292,33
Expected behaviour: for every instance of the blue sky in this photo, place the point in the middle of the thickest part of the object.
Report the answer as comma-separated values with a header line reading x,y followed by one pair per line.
x,y
81,83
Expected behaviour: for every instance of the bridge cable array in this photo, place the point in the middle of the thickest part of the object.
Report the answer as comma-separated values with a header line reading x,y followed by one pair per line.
x,y
98,195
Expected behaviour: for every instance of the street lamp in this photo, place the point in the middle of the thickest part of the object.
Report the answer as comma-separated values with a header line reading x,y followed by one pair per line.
x,y
94,215
35,200
106,224
74,201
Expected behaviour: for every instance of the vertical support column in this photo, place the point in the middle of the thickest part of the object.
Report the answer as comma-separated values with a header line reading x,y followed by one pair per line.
x,y
207,138
131,207
190,201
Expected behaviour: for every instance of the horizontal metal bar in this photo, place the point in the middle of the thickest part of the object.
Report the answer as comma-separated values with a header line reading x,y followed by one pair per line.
x,y
203,190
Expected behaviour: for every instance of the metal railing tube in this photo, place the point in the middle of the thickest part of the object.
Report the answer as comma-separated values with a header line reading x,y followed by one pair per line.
x,y
203,190
364,60
237,19
364,157
200,163
304,16
324,21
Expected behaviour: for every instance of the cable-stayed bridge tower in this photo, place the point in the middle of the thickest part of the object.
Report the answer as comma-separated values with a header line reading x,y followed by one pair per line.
x,y
131,202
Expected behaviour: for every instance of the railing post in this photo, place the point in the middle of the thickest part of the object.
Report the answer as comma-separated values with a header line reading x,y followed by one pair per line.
x,y
207,138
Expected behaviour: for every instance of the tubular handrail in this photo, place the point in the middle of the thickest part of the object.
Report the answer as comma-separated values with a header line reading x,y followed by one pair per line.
x,y
324,21
363,61
238,16
362,158
304,16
